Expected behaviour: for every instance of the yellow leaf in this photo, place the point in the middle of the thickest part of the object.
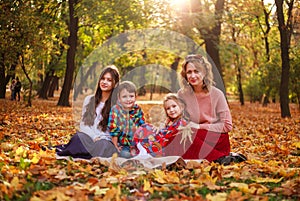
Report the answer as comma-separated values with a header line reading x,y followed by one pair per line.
x,y
254,161
196,181
112,180
266,180
287,172
207,169
236,195
258,189
14,182
44,115
296,144
6,184
172,177
35,198
60,196
113,194
20,151
35,159
147,186
241,186
159,176
162,177
40,139
212,186
99,191
217,197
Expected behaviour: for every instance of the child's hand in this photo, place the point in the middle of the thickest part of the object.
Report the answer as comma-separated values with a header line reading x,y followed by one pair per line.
x,y
155,129
133,151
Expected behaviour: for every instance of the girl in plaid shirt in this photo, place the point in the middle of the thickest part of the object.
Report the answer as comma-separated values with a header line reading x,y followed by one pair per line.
x,y
124,118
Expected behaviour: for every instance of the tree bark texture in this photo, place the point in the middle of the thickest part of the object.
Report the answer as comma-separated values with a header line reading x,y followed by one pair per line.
x,y
71,53
2,77
78,89
43,93
212,42
53,86
284,46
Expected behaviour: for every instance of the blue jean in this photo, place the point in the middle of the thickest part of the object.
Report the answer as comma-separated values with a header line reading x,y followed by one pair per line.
x,y
125,152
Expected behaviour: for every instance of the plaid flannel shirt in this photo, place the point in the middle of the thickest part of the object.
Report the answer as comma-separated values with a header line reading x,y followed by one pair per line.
x,y
123,123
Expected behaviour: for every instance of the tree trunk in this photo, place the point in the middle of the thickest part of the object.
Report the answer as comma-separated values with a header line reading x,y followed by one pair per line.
x,y
284,46
53,85
43,93
212,42
268,29
142,79
239,80
4,80
29,104
212,49
72,42
2,77
174,84
78,89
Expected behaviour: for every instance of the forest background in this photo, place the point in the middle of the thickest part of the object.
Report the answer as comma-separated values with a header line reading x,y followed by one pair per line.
x,y
254,46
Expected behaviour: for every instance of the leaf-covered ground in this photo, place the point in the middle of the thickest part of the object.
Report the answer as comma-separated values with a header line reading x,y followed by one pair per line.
x,y
272,145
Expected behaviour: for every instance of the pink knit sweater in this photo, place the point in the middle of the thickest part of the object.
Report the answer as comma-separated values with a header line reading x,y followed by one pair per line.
x,y
210,110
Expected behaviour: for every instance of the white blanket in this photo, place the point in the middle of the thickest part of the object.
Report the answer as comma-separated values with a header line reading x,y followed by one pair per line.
x,y
142,160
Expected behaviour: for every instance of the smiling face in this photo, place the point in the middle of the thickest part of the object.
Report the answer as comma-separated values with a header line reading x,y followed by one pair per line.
x,y
194,75
127,99
173,109
106,83
197,73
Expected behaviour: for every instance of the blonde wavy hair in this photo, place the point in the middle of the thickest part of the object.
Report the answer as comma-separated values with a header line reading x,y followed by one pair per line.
x,y
202,63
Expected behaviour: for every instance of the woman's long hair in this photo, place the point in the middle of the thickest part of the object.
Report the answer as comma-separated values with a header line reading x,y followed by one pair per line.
x,y
199,62
90,113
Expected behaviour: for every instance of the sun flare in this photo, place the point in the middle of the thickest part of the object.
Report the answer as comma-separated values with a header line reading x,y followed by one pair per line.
x,y
178,3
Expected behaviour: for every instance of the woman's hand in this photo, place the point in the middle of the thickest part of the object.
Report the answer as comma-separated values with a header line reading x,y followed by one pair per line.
x,y
118,148
115,142
186,134
97,138
193,125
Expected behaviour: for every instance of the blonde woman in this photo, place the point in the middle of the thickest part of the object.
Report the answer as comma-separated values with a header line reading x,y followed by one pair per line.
x,y
209,112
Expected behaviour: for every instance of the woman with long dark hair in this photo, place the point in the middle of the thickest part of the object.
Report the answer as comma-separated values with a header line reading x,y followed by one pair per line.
x,y
93,138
